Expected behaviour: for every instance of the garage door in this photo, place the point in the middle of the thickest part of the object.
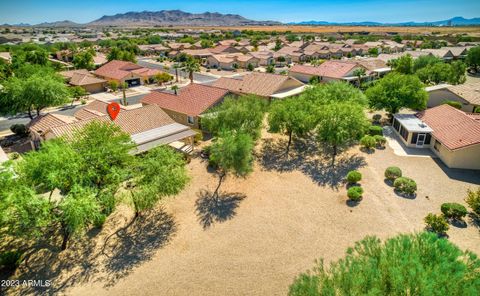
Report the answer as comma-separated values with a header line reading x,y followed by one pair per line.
x,y
133,82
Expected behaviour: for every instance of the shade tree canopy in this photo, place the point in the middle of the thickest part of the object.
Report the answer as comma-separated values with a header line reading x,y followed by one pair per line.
x,y
396,91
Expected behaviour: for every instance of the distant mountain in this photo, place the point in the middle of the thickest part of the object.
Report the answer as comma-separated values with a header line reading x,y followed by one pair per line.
x,y
456,21
175,18
59,24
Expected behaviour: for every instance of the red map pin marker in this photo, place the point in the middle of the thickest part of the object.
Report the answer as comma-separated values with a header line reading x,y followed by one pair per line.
x,y
113,109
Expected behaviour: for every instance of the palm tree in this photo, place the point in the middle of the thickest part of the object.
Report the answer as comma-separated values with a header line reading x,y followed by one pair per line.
x,y
191,66
359,72
176,66
175,89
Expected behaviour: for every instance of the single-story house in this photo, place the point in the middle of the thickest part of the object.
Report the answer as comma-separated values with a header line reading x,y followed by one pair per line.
x,y
264,58
99,59
128,72
265,85
84,79
231,61
222,49
328,71
153,49
442,53
453,135
458,52
188,104
148,126
468,94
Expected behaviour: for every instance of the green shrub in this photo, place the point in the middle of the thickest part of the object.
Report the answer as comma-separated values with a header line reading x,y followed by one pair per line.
x,y
453,210
380,140
11,259
473,200
377,117
454,104
19,129
375,130
367,141
355,193
391,173
14,155
83,101
198,136
405,185
353,177
407,264
436,223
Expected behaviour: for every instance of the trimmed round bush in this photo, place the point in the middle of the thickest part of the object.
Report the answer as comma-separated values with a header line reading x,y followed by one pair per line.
x,y
355,193
380,140
11,259
436,223
405,185
353,177
19,129
376,117
454,210
367,141
375,130
391,173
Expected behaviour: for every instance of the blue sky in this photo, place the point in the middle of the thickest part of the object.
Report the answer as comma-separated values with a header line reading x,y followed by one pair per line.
x,y
82,11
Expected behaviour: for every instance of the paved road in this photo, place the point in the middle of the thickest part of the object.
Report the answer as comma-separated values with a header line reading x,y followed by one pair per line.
x,y
6,122
201,78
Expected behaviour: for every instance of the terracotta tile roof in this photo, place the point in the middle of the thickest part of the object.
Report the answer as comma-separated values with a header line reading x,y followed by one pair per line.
x,y
193,99
197,52
86,113
452,127
261,84
469,91
221,49
42,123
146,71
69,74
333,69
372,64
85,79
99,59
117,69
98,106
130,121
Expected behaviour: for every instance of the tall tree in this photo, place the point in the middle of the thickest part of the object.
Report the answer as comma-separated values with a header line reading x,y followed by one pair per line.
x,y
414,264
160,172
292,116
334,92
83,60
191,66
34,93
232,153
396,91
244,114
340,124
404,64
473,58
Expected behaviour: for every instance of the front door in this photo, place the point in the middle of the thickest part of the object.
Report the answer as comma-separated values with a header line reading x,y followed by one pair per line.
x,y
421,140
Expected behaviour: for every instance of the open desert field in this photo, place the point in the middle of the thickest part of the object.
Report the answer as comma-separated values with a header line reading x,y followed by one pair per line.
x,y
474,31
265,229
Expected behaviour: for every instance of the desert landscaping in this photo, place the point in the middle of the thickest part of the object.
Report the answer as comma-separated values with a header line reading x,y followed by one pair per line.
x,y
265,229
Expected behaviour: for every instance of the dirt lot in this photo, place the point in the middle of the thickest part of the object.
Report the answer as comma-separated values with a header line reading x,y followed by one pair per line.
x,y
265,230
341,29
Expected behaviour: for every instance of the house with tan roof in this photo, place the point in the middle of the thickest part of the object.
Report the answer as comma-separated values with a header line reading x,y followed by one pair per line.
x,y
231,61
84,79
453,135
265,85
468,94
188,104
223,49
148,126
153,49
328,71
128,72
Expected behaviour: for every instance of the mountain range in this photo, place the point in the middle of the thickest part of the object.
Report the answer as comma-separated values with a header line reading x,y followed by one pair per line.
x,y
181,18
455,21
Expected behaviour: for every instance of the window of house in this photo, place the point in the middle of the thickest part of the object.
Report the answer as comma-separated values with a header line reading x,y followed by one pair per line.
x,y
428,138
190,119
396,125
414,138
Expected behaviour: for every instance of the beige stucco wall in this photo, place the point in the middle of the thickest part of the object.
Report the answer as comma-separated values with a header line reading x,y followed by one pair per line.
x,y
94,88
182,118
465,158
437,97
